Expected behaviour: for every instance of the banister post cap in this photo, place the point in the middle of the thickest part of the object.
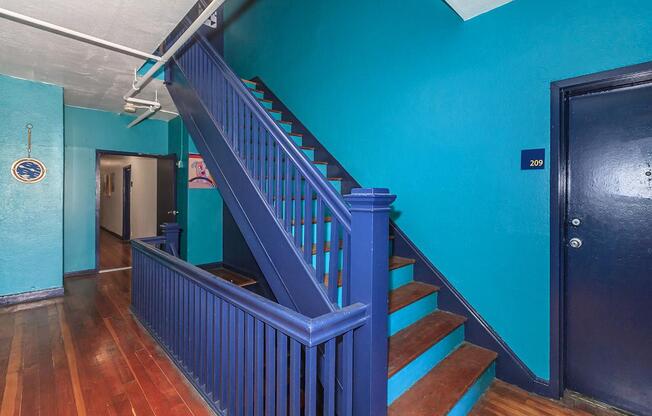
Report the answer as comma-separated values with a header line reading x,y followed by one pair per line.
x,y
171,226
369,199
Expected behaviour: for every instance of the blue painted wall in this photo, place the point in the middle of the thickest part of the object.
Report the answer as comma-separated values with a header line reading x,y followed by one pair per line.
x,y
200,214
409,97
85,132
31,215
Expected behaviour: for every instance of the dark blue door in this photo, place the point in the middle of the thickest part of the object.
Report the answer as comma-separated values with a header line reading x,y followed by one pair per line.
x,y
609,248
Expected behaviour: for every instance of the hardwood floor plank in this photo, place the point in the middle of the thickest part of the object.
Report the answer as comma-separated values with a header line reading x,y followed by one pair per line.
x,y
71,357
13,379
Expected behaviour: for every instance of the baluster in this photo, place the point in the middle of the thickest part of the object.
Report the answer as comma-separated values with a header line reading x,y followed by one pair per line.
x,y
369,248
288,195
298,227
320,253
307,230
250,367
262,133
278,197
347,374
202,338
224,360
311,381
329,378
255,138
247,127
240,366
333,261
270,369
346,265
233,346
295,378
210,342
217,350
282,374
241,127
270,167
260,369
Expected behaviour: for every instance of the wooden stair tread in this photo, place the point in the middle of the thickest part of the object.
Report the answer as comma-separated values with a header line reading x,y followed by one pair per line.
x,y
306,147
439,390
265,101
405,346
408,294
295,134
396,262
233,277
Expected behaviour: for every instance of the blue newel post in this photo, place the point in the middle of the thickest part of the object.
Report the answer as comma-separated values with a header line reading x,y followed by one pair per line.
x,y
370,285
171,231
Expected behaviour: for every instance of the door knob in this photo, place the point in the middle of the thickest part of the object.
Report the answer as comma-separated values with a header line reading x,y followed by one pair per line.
x,y
575,243
174,212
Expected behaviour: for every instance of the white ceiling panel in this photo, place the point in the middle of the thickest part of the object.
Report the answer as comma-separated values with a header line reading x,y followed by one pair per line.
x,y
92,76
468,9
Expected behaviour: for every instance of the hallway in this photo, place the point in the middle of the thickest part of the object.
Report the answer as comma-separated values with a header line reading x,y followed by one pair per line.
x,y
114,253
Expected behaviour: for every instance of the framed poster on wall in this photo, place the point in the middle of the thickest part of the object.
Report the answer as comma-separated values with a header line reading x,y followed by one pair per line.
x,y
198,175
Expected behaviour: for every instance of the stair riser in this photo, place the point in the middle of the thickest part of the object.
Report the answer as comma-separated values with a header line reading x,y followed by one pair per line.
x,y
257,94
473,394
276,116
401,276
265,104
400,382
286,127
410,314
249,84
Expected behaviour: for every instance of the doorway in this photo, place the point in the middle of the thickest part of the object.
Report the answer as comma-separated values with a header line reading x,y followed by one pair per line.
x,y
602,237
132,192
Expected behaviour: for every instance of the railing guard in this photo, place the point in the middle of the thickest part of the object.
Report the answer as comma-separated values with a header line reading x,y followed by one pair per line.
x,y
244,353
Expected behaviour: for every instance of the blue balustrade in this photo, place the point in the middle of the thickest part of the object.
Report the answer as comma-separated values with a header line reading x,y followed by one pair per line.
x,y
244,353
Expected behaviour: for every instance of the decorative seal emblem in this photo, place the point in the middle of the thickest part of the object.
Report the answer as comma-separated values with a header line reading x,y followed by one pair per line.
x,y
28,169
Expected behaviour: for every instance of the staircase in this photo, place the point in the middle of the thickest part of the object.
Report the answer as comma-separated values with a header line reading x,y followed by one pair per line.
x,y
308,241
431,370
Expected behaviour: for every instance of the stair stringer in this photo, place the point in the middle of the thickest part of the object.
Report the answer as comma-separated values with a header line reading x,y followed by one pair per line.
x,y
279,259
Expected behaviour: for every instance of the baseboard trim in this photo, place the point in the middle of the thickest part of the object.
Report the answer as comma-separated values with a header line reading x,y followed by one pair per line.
x,y
31,296
116,235
80,273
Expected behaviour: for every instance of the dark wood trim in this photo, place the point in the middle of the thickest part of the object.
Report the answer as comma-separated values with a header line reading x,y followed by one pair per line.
x,y
116,235
98,181
80,273
560,92
31,296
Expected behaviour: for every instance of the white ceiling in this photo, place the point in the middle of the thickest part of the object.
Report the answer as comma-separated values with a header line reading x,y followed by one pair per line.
x,y
468,9
92,76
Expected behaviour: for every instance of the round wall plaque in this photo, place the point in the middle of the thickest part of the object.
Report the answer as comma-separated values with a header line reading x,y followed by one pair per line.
x,y
28,170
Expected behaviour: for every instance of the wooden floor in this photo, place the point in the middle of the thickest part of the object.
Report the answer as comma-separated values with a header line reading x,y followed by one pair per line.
x,y
85,354
114,253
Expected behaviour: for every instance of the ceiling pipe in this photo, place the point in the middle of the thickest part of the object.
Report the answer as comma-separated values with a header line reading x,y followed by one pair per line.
x,y
40,24
199,21
147,114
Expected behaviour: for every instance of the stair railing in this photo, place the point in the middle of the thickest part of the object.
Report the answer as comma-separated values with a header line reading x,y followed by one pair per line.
x,y
288,182
244,353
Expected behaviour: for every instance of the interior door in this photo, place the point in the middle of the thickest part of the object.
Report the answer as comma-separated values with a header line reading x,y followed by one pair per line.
x,y
166,190
609,248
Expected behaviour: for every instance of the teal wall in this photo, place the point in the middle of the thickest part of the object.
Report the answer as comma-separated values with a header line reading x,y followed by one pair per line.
x,y
200,214
85,132
409,97
31,215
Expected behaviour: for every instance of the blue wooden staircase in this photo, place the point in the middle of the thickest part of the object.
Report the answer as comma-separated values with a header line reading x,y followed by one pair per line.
x,y
294,219
427,352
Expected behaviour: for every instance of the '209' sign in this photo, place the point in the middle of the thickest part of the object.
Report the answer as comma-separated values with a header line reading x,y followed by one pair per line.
x,y
533,159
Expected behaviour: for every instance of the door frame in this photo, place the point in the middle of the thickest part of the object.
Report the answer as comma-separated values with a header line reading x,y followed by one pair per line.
x,y
98,181
126,204
560,92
